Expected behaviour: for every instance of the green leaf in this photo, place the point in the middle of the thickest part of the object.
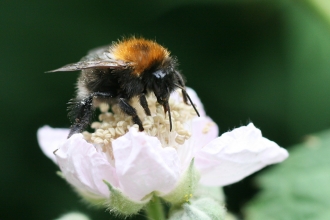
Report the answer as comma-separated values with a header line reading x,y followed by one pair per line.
x,y
322,7
299,188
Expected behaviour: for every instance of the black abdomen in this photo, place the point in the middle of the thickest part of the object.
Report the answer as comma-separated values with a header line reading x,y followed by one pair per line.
x,y
99,80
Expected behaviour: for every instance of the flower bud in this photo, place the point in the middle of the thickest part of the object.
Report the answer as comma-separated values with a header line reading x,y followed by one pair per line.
x,y
204,208
73,216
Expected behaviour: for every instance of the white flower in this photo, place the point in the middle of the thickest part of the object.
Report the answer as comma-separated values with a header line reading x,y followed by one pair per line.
x,y
137,165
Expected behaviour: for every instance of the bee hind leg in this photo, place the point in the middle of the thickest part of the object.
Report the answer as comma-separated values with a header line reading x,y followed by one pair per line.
x,y
81,112
129,110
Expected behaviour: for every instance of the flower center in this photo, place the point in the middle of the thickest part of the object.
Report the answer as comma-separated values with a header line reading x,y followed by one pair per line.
x,y
115,124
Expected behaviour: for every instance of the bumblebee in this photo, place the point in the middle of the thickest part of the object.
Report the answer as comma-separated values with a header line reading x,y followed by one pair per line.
x,y
114,74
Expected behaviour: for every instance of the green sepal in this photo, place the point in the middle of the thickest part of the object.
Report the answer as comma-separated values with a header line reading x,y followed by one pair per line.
x,y
204,208
185,188
121,205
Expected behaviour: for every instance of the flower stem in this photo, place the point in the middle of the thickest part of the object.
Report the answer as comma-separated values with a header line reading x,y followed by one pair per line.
x,y
155,209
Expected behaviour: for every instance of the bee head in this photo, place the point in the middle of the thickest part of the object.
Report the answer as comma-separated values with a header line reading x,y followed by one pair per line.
x,y
162,86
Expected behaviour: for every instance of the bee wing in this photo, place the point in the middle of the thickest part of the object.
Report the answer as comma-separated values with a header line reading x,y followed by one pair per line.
x,y
99,57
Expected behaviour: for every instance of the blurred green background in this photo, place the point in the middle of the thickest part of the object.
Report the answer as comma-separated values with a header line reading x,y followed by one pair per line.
x,y
260,61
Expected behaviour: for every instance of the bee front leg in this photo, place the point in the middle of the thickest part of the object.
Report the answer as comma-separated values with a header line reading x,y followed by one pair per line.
x,y
182,86
129,110
144,104
81,112
184,92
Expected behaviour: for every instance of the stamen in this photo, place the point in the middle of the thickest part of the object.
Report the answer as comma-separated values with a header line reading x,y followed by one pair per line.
x,y
116,124
207,127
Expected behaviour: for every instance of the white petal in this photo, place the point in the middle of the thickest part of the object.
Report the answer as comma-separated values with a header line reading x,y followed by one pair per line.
x,y
143,166
235,155
85,168
203,131
50,139
194,97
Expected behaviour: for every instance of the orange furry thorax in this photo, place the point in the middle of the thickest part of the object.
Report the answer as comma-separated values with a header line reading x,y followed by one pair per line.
x,y
140,52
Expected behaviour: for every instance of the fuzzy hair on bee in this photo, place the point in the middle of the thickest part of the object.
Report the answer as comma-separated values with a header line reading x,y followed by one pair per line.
x,y
132,67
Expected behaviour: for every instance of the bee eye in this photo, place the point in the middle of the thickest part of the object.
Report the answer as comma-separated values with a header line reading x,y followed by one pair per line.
x,y
159,74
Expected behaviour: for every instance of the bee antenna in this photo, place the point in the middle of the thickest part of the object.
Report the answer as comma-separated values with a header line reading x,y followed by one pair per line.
x,y
184,92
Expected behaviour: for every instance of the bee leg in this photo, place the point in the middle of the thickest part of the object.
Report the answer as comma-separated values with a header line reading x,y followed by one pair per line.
x,y
129,110
144,104
181,84
184,95
81,112
184,92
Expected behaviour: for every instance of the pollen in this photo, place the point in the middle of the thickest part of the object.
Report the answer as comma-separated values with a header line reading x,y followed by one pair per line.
x,y
187,197
142,54
114,124
207,127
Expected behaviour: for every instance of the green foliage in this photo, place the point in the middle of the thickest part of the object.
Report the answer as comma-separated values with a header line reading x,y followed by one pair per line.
x,y
322,7
298,188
